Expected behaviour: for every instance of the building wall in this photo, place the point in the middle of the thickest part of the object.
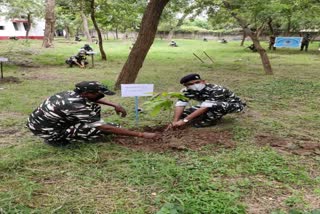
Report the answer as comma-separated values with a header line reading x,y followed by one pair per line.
x,y
9,29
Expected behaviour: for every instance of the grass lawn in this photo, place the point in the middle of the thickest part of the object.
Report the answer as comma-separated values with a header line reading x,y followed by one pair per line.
x,y
272,167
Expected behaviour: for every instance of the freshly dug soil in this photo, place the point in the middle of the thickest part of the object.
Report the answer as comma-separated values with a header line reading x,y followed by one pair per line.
x,y
181,139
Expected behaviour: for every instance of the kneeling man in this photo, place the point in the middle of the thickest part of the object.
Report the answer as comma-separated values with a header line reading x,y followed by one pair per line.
x,y
75,115
215,101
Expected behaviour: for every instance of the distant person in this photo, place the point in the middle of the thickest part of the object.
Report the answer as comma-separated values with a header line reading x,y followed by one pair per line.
x,y
173,44
272,41
305,42
87,48
76,115
205,39
215,101
95,40
224,41
77,39
78,60
253,48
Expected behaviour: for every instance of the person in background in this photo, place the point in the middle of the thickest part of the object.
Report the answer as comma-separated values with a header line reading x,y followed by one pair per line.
x,y
87,48
253,48
173,44
272,41
78,60
305,42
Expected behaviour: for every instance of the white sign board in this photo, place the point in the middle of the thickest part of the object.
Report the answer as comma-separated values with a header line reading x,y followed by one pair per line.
x,y
136,90
90,52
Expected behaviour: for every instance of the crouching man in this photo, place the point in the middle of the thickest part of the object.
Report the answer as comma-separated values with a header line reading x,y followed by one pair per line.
x,y
214,102
78,60
75,115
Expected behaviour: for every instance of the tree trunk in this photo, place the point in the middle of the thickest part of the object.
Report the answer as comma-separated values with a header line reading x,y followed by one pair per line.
x,y
85,26
243,38
289,26
100,40
259,30
263,54
180,21
50,22
67,30
149,24
29,26
270,26
117,37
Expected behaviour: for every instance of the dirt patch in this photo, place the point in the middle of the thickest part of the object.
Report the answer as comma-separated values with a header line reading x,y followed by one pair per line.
x,y
298,147
27,63
8,132
185,139
10,79
11,137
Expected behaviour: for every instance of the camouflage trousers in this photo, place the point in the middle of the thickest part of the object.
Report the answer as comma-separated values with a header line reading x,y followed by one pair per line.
x,y
75,132
215,113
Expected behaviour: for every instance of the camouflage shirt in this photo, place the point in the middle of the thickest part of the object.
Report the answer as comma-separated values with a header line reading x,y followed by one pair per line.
x,y
209,96
78,58
63,110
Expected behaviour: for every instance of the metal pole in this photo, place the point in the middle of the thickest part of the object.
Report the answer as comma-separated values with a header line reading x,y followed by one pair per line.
x,y
136,109
1,71
92,60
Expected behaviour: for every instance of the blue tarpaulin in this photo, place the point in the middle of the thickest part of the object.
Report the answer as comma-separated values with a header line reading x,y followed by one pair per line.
x,y
288,42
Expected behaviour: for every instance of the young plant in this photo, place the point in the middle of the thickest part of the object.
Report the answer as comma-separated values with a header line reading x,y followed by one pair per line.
x,y
162,102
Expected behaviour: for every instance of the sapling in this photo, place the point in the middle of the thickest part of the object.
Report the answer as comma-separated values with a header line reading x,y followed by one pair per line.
x,y
162,102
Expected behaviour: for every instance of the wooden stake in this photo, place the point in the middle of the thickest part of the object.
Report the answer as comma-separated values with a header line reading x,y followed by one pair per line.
x,y
208,56
198,57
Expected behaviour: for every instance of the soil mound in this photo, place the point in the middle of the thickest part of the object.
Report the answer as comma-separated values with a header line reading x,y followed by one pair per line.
x,y
183,139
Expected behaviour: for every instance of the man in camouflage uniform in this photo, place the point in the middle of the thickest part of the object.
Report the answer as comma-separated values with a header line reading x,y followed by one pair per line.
x,y
79,59
305,42
75,115
87,48
215,101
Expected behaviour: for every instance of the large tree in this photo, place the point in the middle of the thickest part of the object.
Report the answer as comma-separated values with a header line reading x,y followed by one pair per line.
x,y
148,29
83,14
253,34
66,19
50,24
77,12
120,15
181,9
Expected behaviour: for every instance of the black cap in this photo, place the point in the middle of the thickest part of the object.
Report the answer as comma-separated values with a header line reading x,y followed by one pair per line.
x,y
93,86
189,78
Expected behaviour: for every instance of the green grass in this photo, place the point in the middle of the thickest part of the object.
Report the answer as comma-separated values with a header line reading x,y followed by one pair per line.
x,y
109,178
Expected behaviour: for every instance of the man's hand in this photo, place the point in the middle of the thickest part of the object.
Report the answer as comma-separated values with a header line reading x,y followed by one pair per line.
x,y
149,135
176,124
179,123
119,109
